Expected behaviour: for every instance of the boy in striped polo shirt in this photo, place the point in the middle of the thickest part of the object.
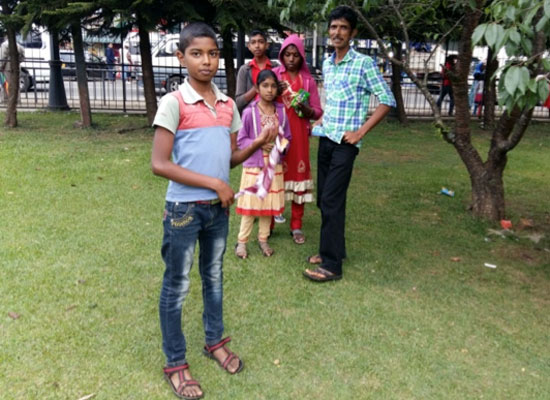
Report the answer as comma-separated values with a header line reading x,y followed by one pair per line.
x,y
194,147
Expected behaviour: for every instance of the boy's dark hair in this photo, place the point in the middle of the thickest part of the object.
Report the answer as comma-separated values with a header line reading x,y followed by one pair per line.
x,y
264,74
256,32
343,12
195,30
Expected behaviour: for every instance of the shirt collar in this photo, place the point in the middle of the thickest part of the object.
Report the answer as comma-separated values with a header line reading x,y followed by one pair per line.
x,y
190,95
349,55
253,64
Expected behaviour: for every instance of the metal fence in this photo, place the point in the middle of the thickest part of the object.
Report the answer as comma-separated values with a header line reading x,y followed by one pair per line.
x,y
120,89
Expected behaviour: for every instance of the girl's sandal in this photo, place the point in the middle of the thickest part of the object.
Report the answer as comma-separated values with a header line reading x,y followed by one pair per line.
x,y
266,250
208,351
298,236
240,250
178,391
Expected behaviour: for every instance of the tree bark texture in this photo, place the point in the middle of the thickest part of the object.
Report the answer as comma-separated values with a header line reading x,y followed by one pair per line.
x,y
147,70
396,88
81,76
230,74
486,178
12,75
489,92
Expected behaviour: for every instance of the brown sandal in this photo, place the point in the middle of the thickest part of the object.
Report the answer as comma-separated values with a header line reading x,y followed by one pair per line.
x,y
298,236
266,250
240,250
321,275
209,352
178,391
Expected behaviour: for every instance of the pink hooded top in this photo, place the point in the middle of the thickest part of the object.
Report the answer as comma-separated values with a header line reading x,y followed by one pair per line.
x,y
308,81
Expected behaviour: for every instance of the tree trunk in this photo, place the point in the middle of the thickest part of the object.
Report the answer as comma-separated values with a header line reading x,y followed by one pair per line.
x,y
396,87
488,191
230,74
81,76
485,178
147,70
57,98
12,75
11,69
489,92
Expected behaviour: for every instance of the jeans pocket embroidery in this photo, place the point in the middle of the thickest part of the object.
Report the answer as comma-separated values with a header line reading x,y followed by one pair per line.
x,y
181,222
182,218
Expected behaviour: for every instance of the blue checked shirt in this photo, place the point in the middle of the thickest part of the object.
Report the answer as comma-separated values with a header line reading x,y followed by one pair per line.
x,y
348,86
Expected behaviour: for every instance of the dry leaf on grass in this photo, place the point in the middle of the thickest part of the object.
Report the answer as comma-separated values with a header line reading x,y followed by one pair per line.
x,y
525,223
13,315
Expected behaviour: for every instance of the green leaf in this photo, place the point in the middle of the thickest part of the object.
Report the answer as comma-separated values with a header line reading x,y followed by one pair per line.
x,y
524,77
540,25
491,34
521,101
527,45
511,79
547,8
502,36
543,90
509,104
478,34
511,13
503,97
532,86
511,48
546,64
532,101
514,36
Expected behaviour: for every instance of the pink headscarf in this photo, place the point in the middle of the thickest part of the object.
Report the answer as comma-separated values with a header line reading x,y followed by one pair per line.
x,y
296,41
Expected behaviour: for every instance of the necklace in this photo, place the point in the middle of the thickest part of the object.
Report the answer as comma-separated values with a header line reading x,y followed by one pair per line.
x,y
264,111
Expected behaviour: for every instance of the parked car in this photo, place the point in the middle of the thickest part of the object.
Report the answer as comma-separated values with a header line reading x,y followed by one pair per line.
x,y
167,79
434,81
169,74
96,67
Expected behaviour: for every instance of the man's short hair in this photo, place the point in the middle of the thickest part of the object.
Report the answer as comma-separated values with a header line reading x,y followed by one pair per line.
x,y
256,32
343,12
195,30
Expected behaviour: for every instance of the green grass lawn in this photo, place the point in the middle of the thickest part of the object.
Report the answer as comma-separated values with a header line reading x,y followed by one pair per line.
x,y
80,235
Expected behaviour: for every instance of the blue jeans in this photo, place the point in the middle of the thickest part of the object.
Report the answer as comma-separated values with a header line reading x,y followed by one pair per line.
x,y
184,224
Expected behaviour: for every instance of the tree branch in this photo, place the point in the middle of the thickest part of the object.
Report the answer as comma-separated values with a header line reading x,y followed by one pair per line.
x,y
403,28
512,140
447,134
519,130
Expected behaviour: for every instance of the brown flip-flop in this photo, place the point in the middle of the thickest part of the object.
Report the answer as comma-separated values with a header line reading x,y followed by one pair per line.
x,y
321,275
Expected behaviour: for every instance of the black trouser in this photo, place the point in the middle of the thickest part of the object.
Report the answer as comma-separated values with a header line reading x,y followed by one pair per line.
x,y
335,165
446,90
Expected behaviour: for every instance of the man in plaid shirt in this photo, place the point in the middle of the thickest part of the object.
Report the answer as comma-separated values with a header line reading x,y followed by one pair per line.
x,y
349,78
